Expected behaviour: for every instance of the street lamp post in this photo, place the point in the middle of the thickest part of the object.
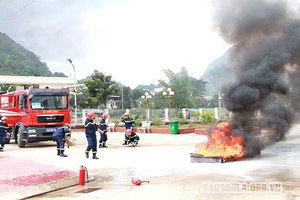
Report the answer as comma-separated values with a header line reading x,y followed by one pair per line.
x,y
147,96
220,100
75,90
169,94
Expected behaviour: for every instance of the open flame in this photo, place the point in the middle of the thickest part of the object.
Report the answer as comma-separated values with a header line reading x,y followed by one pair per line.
x,y
222,143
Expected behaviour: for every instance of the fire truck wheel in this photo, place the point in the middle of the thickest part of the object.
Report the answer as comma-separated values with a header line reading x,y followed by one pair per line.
x,y
21,144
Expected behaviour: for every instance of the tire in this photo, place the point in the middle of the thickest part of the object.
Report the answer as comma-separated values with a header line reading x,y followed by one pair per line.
x,y
21,144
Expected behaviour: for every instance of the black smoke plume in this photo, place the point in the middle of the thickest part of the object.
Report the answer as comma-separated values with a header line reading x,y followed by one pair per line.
x,y
264,99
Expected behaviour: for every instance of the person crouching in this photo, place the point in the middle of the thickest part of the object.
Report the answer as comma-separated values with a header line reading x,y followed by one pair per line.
x,y
59,136
131,138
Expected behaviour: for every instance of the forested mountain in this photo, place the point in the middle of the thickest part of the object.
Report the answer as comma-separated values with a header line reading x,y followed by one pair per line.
x,y
16,60
218,74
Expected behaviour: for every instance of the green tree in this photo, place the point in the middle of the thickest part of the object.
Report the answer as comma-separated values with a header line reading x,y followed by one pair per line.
x,y
137,98
82,94
59,74
198,90
99,88
159,101
180,83
124,93
188,91
5,87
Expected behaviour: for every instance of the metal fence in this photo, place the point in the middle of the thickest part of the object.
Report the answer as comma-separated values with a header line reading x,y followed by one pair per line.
x,y
141,114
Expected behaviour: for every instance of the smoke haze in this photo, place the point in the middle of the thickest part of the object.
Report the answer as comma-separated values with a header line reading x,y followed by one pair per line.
x,y
264,99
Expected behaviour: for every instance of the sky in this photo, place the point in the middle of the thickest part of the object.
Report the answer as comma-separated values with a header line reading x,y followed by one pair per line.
x,y
131,40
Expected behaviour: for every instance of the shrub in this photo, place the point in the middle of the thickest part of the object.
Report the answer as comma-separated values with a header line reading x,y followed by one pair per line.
x,y
181,121
208,118
157,122
196,114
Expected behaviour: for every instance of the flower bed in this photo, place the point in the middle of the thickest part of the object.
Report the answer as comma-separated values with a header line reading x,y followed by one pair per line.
x,y
200,131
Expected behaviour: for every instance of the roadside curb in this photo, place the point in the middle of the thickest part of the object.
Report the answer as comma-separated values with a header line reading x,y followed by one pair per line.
x,y
32,191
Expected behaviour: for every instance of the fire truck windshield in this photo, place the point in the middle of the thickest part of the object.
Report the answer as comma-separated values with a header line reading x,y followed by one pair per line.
x,y
53,102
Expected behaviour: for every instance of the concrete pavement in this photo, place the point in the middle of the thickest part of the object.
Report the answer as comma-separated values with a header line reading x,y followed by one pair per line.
x,y
162,159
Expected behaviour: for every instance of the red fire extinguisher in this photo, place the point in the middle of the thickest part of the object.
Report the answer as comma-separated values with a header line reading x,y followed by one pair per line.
x,y
82,171
137,181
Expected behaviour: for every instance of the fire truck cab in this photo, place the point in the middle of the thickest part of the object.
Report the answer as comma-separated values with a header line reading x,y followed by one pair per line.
x,y
34,114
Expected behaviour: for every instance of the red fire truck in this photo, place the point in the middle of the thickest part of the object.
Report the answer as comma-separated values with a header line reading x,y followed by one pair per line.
x,y
34,114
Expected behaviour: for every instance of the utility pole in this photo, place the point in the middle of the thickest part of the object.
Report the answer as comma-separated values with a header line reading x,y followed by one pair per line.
x,y
75,90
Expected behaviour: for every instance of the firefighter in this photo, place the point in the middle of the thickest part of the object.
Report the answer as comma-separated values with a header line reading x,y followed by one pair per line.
x,y
59,136
90,133
3,132
103,131
129,124
131,138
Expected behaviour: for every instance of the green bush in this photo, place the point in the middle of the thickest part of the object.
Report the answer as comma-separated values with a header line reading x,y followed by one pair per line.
x,y
196,114
157,122
181,121
208,118
180,115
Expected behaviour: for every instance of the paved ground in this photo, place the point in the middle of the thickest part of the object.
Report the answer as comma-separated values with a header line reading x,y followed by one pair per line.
x,y
161,159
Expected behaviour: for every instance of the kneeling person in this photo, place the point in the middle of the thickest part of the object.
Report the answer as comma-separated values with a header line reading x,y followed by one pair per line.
x,y
131,138
59,136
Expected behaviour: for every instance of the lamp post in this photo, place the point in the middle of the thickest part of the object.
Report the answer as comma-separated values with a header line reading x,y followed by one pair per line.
x,y
75,95
169,94
147,96
220,100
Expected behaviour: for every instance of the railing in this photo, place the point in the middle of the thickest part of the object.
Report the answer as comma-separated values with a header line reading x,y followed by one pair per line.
x,y
117,114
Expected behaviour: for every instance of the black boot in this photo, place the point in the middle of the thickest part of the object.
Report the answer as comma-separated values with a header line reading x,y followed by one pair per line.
x,y
62,154
58,152
100,145
125,143
94,156
87,154
103,145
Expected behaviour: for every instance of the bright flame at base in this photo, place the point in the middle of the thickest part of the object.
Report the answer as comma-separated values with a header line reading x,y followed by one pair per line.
x,y
222,143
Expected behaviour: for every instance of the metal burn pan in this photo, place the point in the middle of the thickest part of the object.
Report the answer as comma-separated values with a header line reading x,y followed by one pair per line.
x,y
198,158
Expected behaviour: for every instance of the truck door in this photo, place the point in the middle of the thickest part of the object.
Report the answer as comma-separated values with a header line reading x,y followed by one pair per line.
x,y
22,102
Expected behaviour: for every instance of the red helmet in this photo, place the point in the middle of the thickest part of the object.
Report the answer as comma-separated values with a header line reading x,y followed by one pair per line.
x,y
126,114
105,115
91,115
68,125
128,131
